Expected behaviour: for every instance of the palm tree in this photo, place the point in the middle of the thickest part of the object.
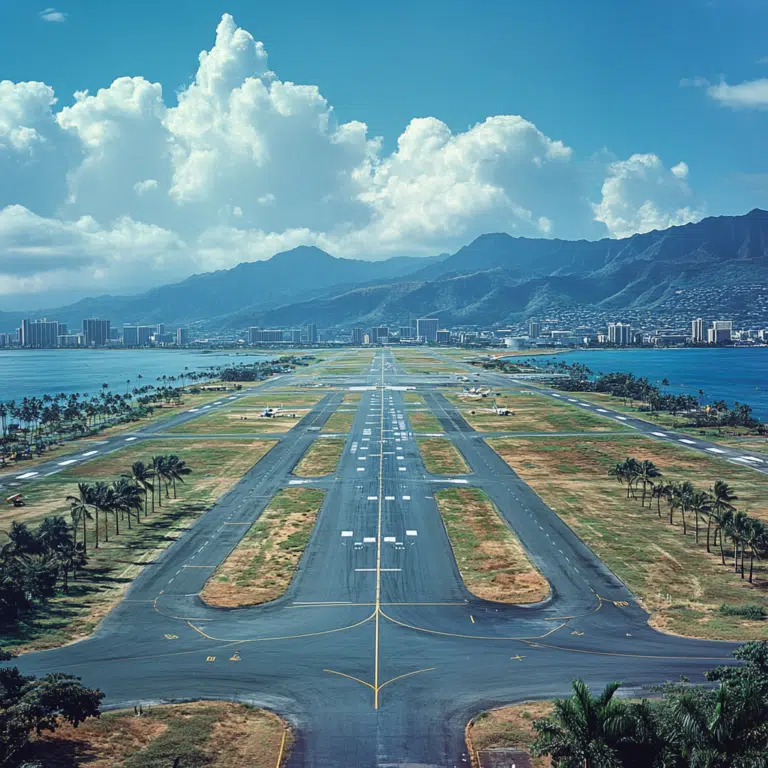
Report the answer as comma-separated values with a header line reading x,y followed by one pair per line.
x,y
103,500
583,731
724,729
127,498
647,472
736,531
756,538
159,468
701,503
682,494
143,475
80,510
722,496
177,469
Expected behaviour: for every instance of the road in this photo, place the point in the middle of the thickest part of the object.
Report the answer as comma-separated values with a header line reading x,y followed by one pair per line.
x,y
377,653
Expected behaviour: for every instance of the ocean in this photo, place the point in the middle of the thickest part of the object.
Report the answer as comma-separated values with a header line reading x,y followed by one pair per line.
x,y
723,373
36,372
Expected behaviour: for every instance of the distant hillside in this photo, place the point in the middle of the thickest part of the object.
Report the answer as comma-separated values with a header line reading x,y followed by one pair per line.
x,y
289,276
717,265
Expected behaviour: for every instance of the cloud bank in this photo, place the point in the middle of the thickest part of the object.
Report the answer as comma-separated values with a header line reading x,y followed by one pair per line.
x,y
120,191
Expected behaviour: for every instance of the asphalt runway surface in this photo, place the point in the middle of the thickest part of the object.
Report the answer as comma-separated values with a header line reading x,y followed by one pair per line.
x,y
377,653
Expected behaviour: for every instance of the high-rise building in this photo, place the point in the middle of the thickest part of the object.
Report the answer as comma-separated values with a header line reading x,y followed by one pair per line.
x,y
620,334
357,336
71,340
406,332
443,336
697,331
130,336
296,336
160,329
379,334
182,337
144,334
311,333
721,332
4,340
426,329
534,328
40,334
265,336
96,332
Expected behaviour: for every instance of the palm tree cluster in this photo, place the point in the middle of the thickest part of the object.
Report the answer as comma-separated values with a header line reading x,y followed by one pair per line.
x,y
34,562
712,510
725,727
34,424
126,498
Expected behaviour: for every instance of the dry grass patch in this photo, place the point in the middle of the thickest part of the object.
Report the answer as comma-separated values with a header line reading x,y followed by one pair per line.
x,y
531,412
217,465
424,421
321,458
339,422
288,398
510,728
413,398
441,456
261,566
491,559
215,734
238,421
673,577
352,397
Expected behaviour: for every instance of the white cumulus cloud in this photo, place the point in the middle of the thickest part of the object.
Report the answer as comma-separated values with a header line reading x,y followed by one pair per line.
x,y
52,15
119,188
640,194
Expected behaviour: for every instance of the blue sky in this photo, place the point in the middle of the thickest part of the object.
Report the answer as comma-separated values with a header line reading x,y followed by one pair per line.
x,y
603,77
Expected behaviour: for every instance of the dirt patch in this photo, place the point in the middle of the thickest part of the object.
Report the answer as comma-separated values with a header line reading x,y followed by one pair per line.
x,y
509,728
216,734
321,458
491,559
261,566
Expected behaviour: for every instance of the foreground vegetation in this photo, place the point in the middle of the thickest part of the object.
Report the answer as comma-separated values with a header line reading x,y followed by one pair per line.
x,y
206,733
688,727
676,580
492,562
261,566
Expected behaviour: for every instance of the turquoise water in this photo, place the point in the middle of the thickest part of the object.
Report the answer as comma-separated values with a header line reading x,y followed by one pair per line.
x,y
724,374
35,372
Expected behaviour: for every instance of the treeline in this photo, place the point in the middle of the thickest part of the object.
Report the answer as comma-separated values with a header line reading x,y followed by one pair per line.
x,y
652,398
33,424
689,727
711,510
261,370
35,564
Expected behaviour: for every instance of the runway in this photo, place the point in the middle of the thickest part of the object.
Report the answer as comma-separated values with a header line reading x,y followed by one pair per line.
x,y
377,653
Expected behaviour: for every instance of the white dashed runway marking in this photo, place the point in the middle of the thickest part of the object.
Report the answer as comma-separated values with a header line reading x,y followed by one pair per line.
x,y
89,453
659,434
411,533
67,462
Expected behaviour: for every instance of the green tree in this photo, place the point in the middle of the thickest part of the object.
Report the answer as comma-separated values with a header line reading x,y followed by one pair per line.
x,y
722,496
585,730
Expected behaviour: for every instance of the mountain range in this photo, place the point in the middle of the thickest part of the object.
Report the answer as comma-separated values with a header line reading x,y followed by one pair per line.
x,y
719,264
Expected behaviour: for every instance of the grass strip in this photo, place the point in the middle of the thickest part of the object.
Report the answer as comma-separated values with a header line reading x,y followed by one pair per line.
x,y
339,422
424,421
229,421
441,457
321,458
210,734
674,579
491,559
261,566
